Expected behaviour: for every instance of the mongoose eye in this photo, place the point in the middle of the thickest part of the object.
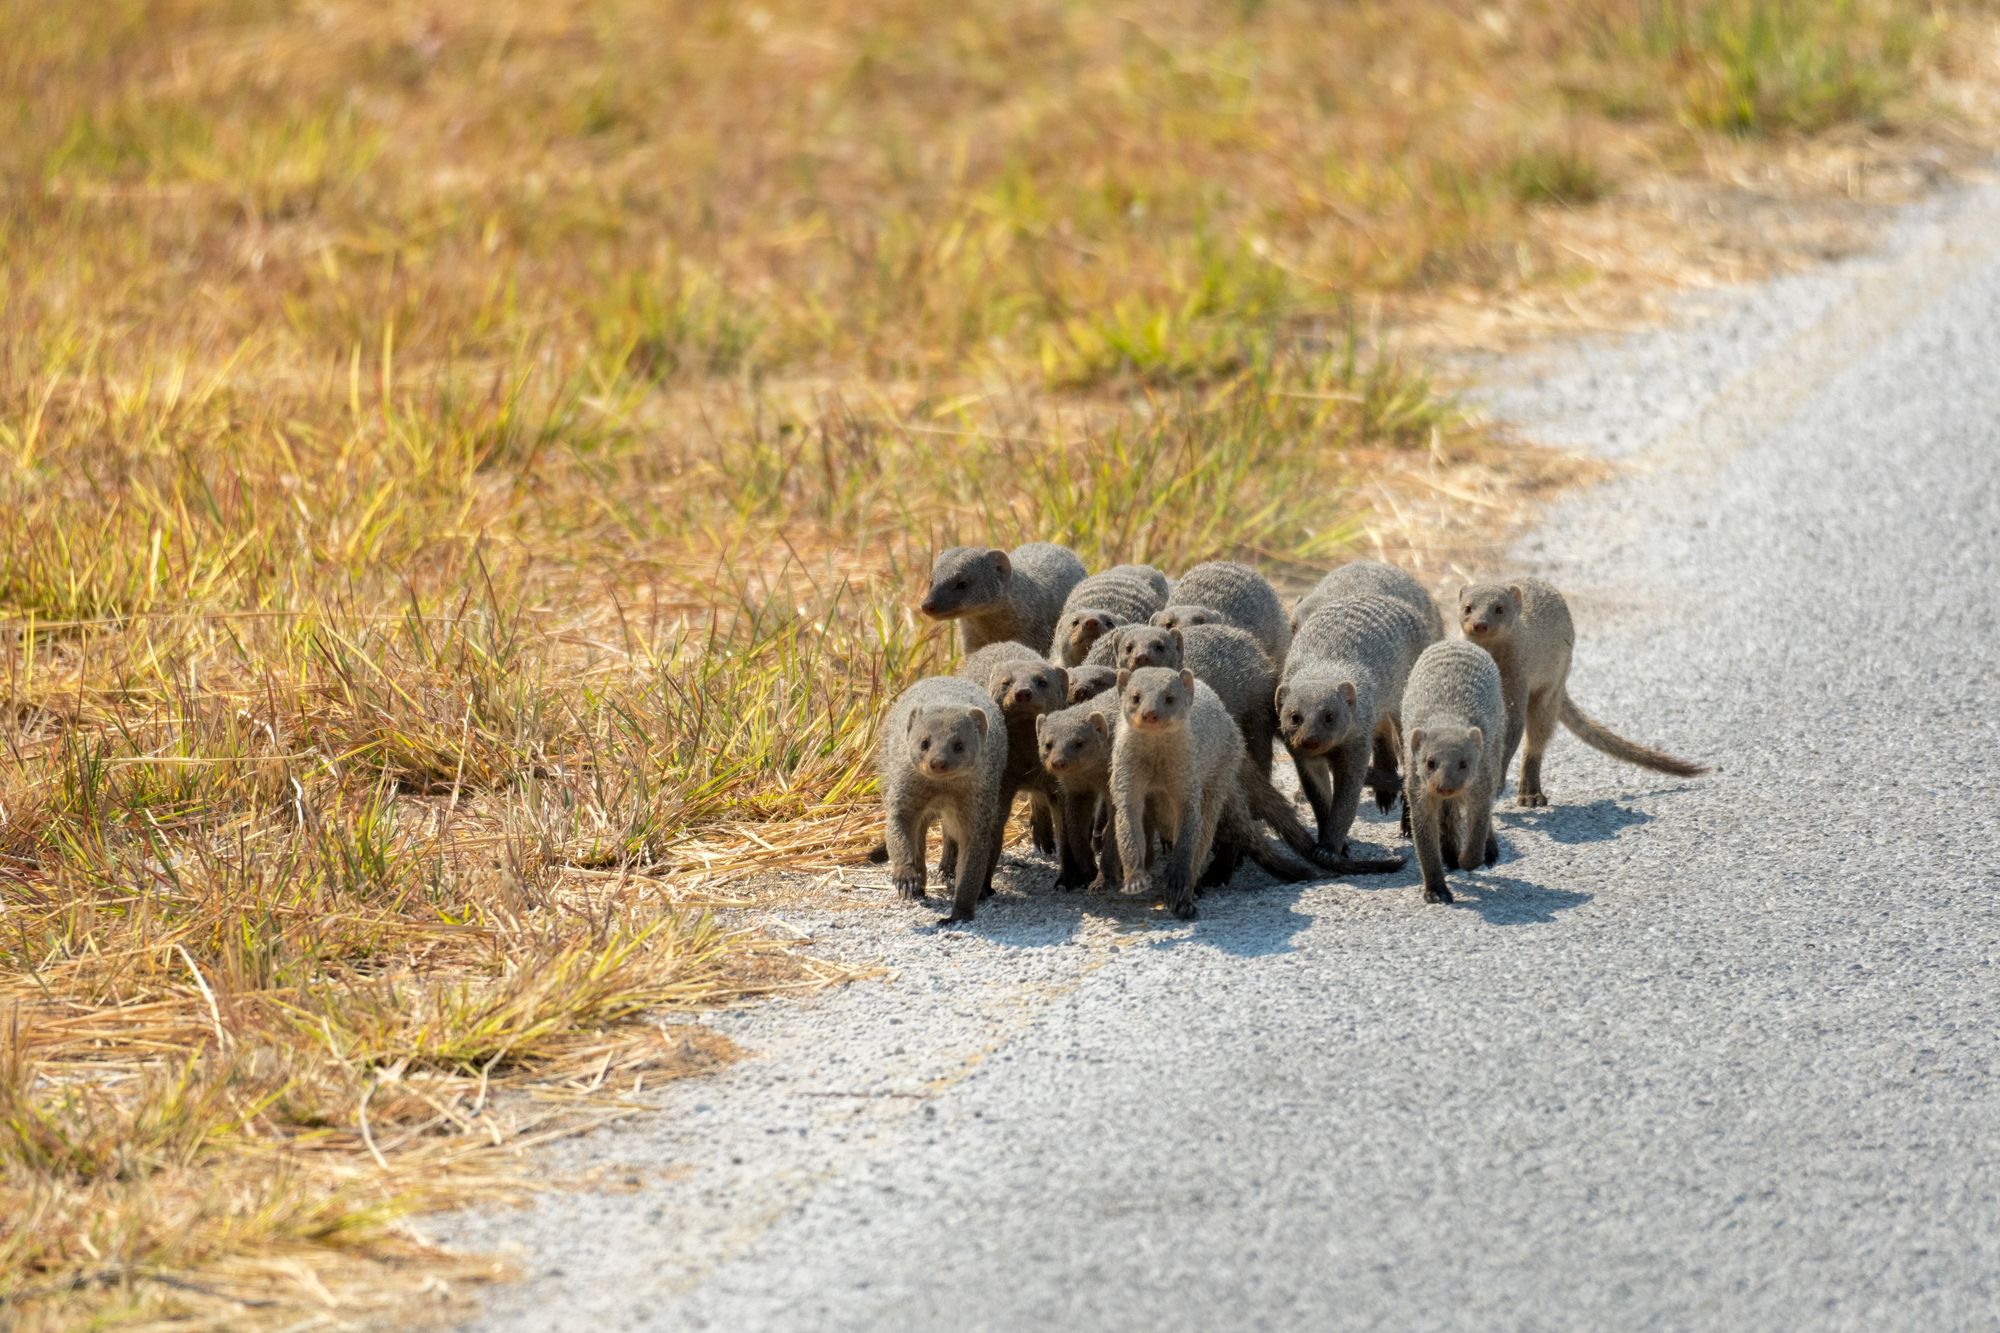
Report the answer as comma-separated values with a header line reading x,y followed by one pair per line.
x,y
1430,765
1461,763
958,747
924,744
1298,719
1327,716
959,584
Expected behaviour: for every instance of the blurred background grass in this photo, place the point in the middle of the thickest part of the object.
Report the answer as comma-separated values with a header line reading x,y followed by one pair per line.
x,y
462,467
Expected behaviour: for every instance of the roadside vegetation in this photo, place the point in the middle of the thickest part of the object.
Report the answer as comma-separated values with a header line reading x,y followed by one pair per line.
x,y
463,467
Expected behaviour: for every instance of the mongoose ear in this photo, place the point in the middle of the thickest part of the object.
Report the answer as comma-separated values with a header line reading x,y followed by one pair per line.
x,y
910,723
1514,591
1187,676
1278,696
978,716
1347,692
1416,740
1001,564
1097,720
1180,644
1062,679
1463,589
1478,739
1124,679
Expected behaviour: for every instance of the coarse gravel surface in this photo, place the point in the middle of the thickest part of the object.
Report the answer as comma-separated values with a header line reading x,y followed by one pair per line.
x,y
1706,1053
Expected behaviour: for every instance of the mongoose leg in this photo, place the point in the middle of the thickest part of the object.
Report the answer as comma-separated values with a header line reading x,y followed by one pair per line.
x,y
1350,767
1078,864
976,866
1448,836
1544,710
1316,782
1222,866
1177,869
947,857
1475,838
1110,869
1041,823
905,842
1424,824
1383,778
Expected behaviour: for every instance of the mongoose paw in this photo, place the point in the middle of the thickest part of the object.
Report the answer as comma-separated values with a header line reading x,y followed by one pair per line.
x,y
1325,857
955,917
911,886
1404,826
1184,907
1074,879
1386,798
878,854
1530,799
1492,850
987,892
1440,894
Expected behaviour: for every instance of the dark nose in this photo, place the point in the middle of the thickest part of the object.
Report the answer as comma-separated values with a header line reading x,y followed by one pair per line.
x,y
1022,696
1478,627
928,606
1150,715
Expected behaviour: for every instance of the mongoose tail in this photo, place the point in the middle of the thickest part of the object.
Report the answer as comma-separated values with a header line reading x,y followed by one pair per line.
x,y
1598,737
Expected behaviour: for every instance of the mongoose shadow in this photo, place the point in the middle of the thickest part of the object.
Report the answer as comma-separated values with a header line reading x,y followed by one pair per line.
x,y
1025,912
1243,920
1602,820
1503,900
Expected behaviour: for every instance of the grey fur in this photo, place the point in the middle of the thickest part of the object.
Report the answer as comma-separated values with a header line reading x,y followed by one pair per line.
x,y
1123,595
1026,686
1089,681
961,791
1454,760
1239,595
1230,662
997,595
1074,746
1339,702
1174,764
1526,627
1365,577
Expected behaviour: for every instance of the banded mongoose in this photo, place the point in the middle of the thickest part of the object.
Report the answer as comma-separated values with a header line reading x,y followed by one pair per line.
x,y
1339,702
1025,685
1454,760
1526,627
1362,577
1075,749
1238,595
1121,595
1230,662
943,761
998,595
1175,767
1088,681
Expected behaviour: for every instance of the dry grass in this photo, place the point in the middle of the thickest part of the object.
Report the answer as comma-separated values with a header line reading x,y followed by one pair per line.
x,y
462,467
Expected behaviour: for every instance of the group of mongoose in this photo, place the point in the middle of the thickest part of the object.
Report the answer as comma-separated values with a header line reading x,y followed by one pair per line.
x,y
1161,789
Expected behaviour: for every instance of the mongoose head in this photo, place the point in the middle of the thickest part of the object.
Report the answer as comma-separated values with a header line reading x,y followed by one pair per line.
x,y
1150,646
1087,682
1487,611
966,579
1444,759
1315,713
1181,617
1028,689
944,742
1073,738
1078,629
1154,698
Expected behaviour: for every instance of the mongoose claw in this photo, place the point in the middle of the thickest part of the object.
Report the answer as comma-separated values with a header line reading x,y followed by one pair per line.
x,y
910,886
1440,894
1530,799
945,922
1184,907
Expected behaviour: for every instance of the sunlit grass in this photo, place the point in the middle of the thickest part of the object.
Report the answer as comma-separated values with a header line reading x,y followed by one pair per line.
x,y
463,470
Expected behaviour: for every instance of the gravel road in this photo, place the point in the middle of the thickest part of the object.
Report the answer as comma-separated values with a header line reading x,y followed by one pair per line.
x,y
1715,1053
